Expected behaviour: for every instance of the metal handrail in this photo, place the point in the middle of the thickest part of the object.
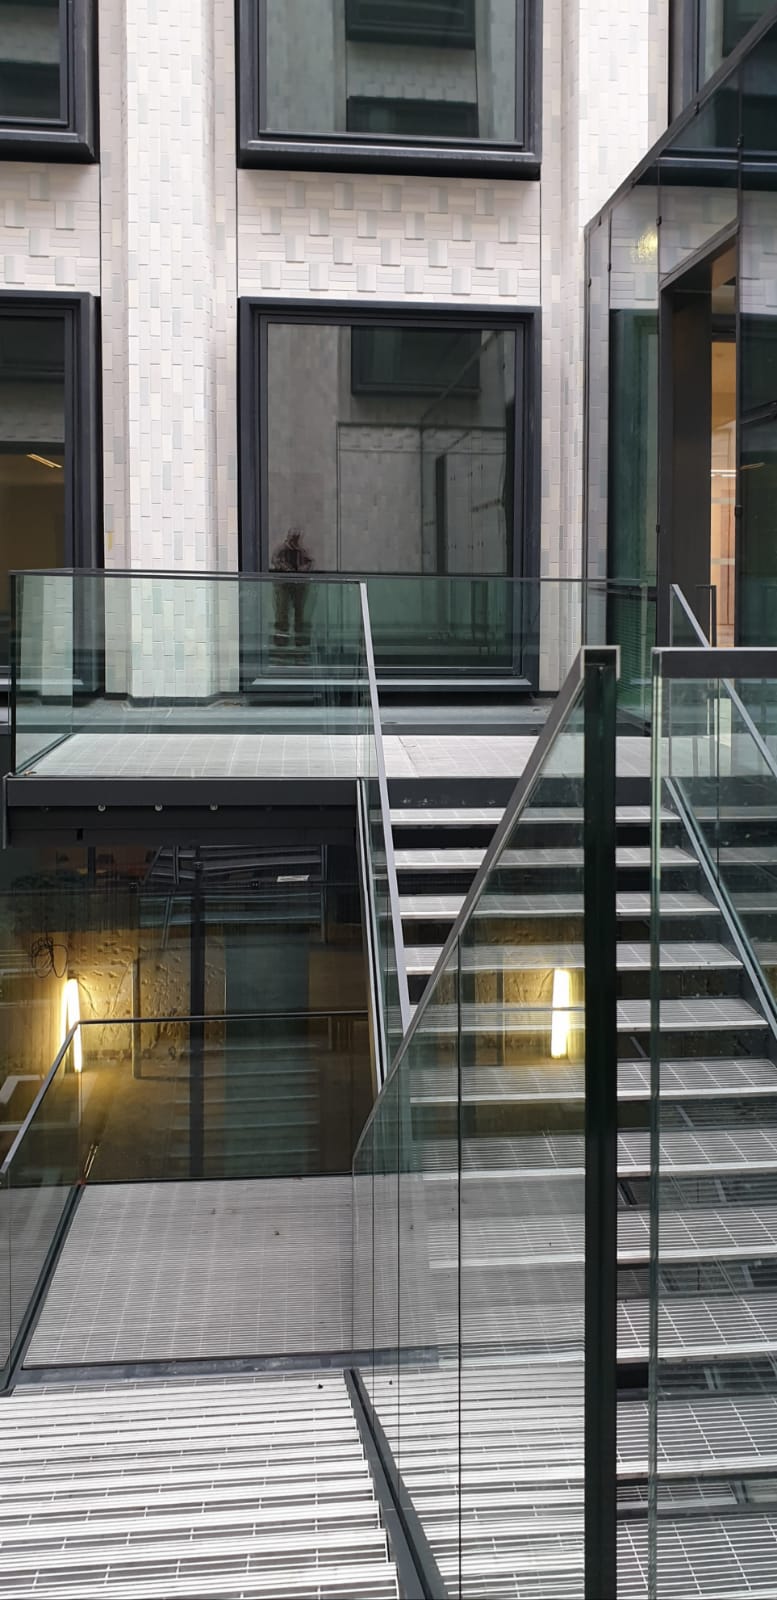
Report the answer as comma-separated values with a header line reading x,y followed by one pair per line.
x,y
385,811
690,617
371,937
39,1098
567,695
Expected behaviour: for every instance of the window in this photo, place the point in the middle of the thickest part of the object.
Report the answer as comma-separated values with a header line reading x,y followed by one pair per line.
x,y
704,33
417,456
49,442
390,83
46,79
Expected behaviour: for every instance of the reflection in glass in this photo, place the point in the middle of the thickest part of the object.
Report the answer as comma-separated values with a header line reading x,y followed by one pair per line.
x,y
32,450
401,68
408,459
723,23
30,60
758,421
723,481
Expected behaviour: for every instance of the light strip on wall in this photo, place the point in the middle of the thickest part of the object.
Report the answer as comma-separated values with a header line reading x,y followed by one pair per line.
x,y
71,1016
560,1019
44,461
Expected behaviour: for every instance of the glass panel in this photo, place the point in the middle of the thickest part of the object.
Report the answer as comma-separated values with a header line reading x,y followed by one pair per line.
x,y
759,136
267,1096
723,23
757,547
457,626
439,69
229,657
409,460
38,1177
30,60
714,1118
477,1145
32,446
632,511
522,1077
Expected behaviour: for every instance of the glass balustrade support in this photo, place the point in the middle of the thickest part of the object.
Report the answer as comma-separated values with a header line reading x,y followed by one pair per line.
x,y
600,673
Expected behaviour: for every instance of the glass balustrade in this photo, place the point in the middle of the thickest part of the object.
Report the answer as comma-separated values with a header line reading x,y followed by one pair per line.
x,y
163,675
172,1099
469,1192
713,1189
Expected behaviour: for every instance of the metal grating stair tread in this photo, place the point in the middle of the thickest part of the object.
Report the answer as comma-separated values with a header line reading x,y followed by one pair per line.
x,y
446,907
726,1012
212,1488
692,1079
451,859
705,1233
421,960
715,1150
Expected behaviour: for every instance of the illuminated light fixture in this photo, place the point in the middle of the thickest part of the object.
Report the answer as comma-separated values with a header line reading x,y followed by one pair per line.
x,y
71,1017
560,1017
56,466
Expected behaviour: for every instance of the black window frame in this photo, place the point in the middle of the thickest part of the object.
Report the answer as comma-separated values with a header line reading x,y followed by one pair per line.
x,y
73,135
366,152
256,313
82,410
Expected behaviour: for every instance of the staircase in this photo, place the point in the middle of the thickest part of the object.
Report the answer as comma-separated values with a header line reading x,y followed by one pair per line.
x,y
516,1243
224,1489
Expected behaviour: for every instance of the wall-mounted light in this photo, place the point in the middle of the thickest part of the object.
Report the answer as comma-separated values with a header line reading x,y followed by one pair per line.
x,y
43,461
71,1017
560,1016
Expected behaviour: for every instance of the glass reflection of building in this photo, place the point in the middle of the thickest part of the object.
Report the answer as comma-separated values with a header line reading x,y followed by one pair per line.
x,y
682,454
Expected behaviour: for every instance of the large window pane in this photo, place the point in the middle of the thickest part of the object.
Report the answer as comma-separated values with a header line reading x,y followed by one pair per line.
x,y
391,449
30,59
32,450
723,23
415,69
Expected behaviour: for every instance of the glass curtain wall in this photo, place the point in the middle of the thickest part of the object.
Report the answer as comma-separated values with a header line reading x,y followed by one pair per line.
x,y
681,330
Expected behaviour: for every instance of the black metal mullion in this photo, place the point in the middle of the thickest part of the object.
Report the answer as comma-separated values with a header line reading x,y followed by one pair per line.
x,y
601,1125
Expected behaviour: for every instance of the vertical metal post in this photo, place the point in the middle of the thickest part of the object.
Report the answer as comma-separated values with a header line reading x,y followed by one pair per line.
x,y
196,1027
601,1124
137,1028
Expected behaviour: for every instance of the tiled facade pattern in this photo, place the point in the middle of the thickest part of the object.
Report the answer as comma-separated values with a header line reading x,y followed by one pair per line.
x,y
169,234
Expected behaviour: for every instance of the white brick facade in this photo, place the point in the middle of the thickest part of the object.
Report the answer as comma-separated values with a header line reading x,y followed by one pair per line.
x,y
169,233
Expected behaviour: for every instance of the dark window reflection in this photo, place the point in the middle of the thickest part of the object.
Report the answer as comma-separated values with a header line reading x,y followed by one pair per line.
x,y
449,119
415,69
436,22
408,460
30,60
32,450
723,23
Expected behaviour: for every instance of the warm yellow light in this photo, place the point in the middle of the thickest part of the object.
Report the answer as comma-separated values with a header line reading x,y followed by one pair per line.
x,y
43,461
560,1016
71,1016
